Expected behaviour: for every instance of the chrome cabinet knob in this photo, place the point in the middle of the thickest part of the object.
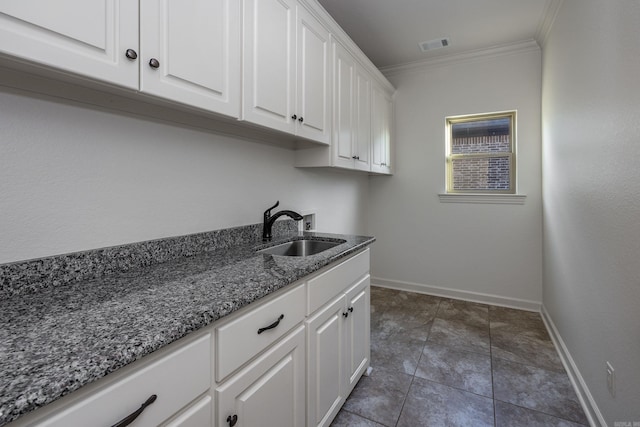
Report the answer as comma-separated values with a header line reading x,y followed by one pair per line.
x,y
154,63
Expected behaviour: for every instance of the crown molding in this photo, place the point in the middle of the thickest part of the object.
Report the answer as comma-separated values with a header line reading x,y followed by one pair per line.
x,y
338,34
546,23
472,55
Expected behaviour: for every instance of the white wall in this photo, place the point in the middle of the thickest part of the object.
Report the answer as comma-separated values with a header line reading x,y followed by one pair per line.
x,y
74,178
469,250
591,149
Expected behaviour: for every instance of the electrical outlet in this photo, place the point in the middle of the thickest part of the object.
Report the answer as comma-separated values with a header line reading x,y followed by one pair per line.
x,y
309,221
611,379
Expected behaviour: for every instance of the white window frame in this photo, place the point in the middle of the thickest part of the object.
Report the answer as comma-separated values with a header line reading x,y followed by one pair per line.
x,y
509,196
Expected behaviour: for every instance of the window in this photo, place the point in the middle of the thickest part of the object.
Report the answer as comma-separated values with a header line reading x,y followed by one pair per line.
x,y
481,153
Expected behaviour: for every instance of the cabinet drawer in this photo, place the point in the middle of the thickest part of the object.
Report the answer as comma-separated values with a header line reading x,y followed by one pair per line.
x,y
238,341
336,280
176,380
198,415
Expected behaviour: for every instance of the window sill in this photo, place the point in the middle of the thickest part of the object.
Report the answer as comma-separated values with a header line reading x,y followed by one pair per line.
x,y
495,199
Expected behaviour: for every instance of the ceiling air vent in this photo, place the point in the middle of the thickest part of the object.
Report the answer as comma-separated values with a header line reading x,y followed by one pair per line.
x,y
434,44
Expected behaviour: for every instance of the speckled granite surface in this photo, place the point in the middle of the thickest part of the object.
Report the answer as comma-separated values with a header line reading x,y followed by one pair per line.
x,y
55,339
25,277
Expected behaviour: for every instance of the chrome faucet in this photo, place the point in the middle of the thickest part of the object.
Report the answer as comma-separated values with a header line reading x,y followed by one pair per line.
x,y
270,219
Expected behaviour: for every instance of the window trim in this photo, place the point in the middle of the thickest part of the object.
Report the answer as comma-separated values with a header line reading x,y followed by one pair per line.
x,y
512,155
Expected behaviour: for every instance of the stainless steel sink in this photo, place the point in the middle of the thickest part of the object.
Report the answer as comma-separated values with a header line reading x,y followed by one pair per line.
x,y
301,247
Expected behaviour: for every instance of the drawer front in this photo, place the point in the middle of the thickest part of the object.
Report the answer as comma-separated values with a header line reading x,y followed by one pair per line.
x,y
198,415
238,341
327,285
176,380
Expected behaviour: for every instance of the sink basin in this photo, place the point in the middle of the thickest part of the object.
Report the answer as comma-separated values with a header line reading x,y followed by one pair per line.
x,y
301,247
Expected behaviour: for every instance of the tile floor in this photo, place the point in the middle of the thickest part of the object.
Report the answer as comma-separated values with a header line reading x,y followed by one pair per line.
x,y
443,362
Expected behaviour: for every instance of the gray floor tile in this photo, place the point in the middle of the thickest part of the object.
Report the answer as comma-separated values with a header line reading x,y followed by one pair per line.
x,y
513,315
508,415
347,419
415,324
432,404
521,336
517,321
398,353
463,311
453,369
460,335
535,388
459,369
525,347
389,299
379,397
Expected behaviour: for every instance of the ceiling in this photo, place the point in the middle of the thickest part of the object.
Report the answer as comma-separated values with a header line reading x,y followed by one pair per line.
x,y
388,31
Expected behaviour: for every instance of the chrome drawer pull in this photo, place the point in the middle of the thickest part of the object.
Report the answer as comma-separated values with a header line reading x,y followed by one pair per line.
x,y
271,326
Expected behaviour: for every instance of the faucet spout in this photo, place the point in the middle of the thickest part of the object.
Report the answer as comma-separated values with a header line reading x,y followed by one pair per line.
x,y
269,219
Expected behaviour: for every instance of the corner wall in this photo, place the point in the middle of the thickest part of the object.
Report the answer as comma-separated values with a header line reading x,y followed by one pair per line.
x,y
591,147
484,252
74,177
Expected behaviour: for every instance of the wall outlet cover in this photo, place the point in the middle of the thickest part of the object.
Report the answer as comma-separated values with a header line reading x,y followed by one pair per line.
x,y
611,379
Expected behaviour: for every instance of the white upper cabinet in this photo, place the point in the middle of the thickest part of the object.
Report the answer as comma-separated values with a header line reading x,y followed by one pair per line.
x,y
190,52
382,110
343,121
352,112
362,123
269,63
313,78
281,64
89,38
286,69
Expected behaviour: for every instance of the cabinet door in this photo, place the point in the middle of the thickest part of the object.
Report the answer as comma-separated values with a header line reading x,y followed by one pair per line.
x,y
269,63
343,144
313,78
270,391
325,347
86,37
381,129
196,44
362,125
357,334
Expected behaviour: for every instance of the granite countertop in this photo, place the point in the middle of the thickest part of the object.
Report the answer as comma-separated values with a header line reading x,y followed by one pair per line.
x,y
58,339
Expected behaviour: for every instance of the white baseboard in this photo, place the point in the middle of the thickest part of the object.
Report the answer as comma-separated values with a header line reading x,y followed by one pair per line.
x,y
521,304
589,405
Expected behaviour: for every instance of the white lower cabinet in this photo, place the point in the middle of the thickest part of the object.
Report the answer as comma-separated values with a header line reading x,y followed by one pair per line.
x,y
325,332
357,332
198,415
338,341
270,391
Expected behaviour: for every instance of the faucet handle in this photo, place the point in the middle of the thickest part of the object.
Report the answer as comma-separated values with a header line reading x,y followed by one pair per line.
x,y
267,213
